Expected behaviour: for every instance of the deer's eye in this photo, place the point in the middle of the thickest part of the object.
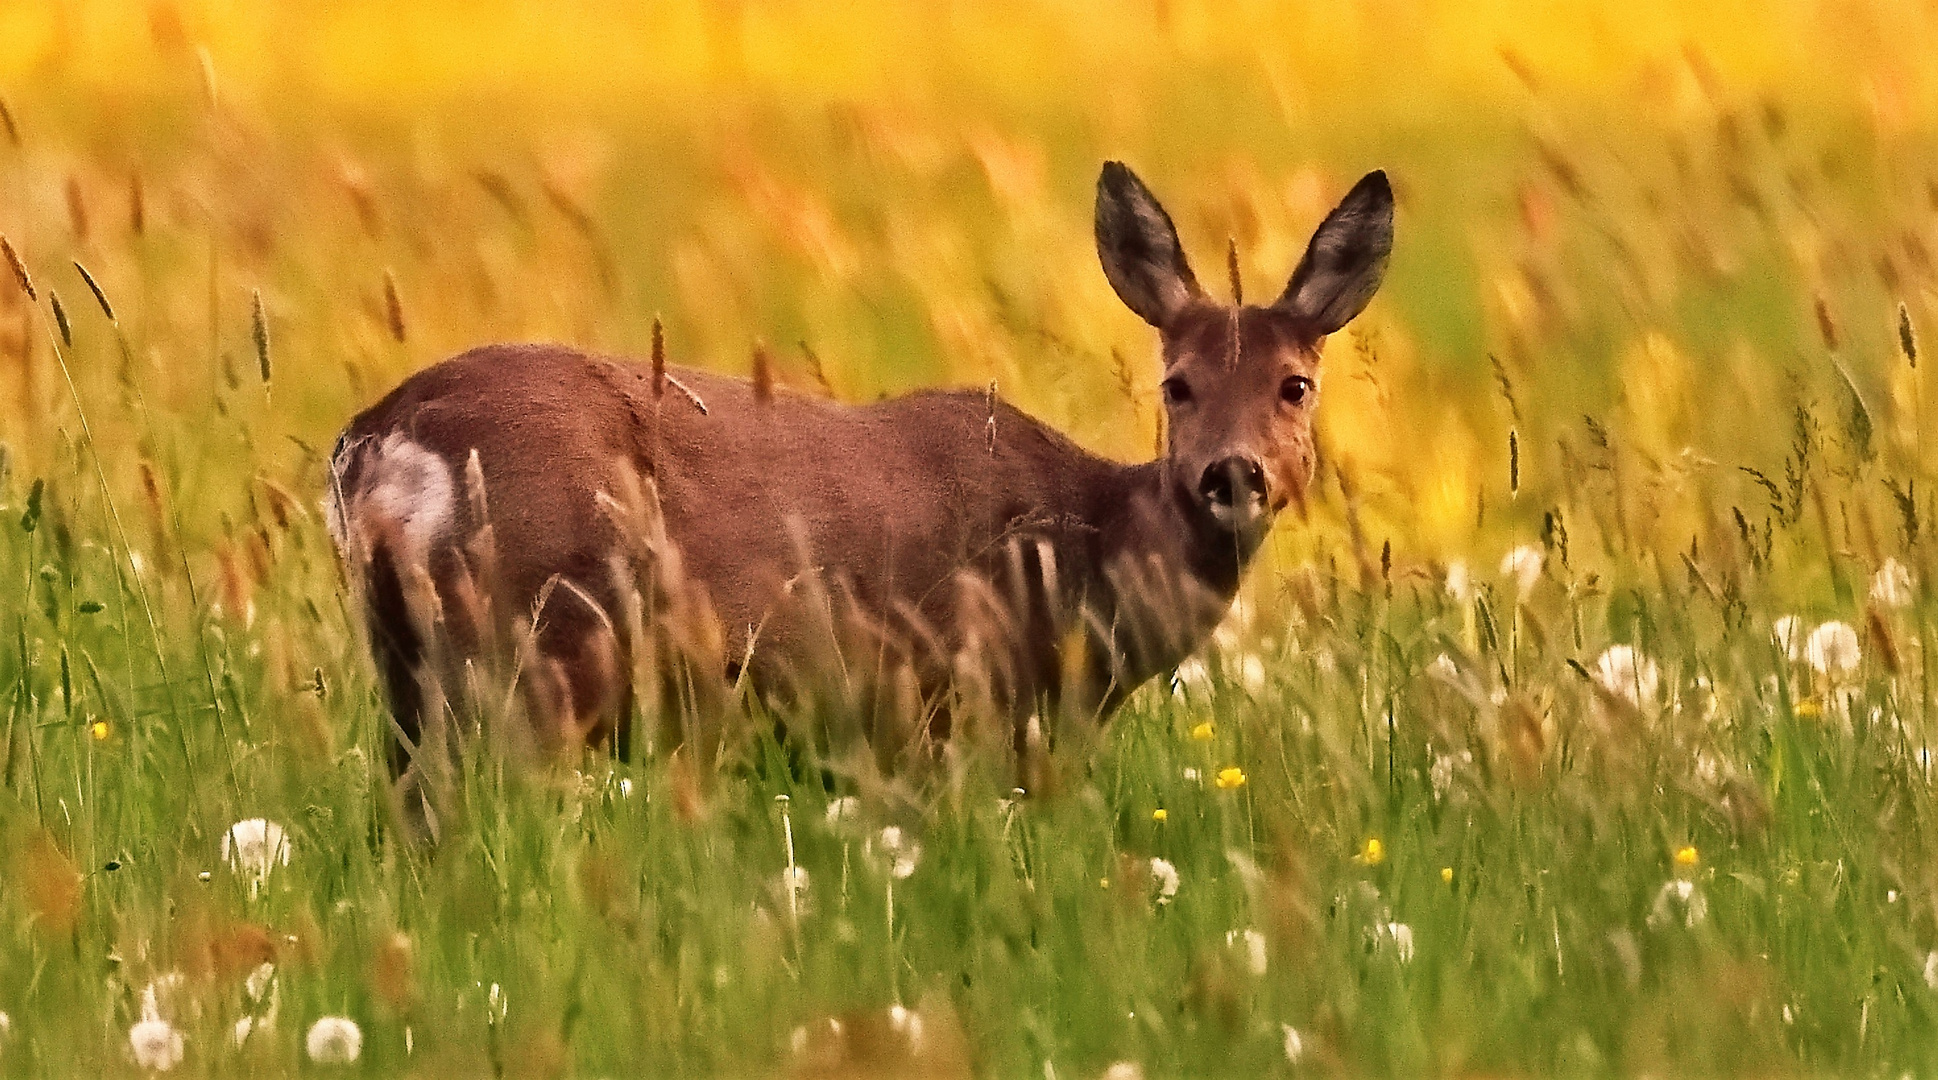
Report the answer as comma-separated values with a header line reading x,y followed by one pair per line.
x,y
1176,391
1295,389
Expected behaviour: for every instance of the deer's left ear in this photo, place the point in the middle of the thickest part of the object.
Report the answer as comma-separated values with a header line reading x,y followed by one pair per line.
x,y
1346,259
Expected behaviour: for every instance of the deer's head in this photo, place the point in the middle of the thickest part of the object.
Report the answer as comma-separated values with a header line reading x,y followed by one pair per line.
x,y
1241,382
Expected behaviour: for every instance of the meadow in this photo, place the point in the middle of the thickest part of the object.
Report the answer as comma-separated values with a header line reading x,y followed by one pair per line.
x,y
1580,725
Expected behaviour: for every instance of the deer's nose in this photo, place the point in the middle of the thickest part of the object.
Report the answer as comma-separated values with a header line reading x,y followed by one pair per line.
x,y
1234,489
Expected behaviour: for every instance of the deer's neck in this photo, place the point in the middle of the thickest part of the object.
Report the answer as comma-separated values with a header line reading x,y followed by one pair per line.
x,y
1168,574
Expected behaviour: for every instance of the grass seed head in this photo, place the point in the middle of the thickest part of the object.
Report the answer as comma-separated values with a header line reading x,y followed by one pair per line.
x,y
60,319
393,308
763,375
93,286
1907,337
659,358
259,328
76,208
19,268
137,204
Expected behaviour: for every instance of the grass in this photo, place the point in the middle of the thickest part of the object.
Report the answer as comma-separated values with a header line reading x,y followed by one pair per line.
x,y
1666,263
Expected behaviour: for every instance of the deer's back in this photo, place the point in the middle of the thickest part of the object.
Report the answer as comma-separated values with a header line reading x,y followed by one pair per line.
x,y
883,503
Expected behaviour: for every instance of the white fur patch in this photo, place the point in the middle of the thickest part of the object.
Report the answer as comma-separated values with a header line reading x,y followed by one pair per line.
x,y
404,492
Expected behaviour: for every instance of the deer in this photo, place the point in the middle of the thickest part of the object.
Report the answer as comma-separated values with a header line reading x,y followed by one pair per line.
x,y
600,520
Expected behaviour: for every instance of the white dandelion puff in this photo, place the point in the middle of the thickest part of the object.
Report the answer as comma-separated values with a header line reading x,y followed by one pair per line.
x,y
1253,942
903,852
157,1045
1165,877
908,1023
1628,675
843,811
1191,675
1832,650
1443,669
1931,970
255,847
1400,936
1124,1070
334,1040
1251,672
1523,567
1294,1044
1678,901
1460,581
1891,586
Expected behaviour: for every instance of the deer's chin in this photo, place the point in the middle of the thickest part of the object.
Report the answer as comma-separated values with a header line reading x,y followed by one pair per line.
x,y
1247,521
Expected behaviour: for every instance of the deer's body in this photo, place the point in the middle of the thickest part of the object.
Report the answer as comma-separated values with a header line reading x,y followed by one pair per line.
x,y
935,541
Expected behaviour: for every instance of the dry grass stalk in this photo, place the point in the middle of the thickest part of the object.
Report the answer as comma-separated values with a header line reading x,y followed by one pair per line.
x,y
76,208
659,359
7,123
137,204
1826,326
1231,268
393,307
815,370
763,375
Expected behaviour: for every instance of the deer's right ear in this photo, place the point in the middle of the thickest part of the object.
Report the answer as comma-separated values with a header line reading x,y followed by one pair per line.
x,y
1139,248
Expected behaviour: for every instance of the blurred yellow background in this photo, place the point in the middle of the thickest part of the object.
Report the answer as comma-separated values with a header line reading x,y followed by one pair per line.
x,y
1617,220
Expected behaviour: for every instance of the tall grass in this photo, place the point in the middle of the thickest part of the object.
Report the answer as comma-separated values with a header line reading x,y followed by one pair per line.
x,y
1654,316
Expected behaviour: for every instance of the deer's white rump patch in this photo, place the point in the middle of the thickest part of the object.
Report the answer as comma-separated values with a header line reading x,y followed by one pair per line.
x,y
405,494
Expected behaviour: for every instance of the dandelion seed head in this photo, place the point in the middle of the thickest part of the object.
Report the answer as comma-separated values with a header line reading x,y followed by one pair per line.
x,y
334,1040
1523,567
157,1045
1628,675
1891,585
1678,901
1400,936
1294,1044
1832,650
1251,672
1253,943
255,847
1165,877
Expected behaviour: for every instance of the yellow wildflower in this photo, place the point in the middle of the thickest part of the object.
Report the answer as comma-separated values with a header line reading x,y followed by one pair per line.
x,y
1686,855
1233,777
1204,732
1103,883
1809,709
98,729
1158,815
1446,874
1371,853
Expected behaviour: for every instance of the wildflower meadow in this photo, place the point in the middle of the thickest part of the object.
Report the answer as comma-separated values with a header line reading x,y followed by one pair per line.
x,y
1579,722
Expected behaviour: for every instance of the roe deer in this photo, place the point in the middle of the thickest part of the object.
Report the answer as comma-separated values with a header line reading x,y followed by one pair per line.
x,y
941,544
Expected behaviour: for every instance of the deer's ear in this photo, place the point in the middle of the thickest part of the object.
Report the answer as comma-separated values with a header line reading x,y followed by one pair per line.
x,y
1346,259
1139,248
